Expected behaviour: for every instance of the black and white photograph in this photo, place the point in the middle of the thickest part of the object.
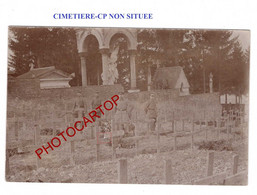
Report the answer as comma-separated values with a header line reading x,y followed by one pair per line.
x,y
123,105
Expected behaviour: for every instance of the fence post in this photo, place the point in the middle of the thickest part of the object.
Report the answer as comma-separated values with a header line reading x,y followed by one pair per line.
x,y
242,133
65,116
210,162
123,171
52,122
136,128
36,143
206,125
175,143
204,118
192,134
235,164
72,150
24,126
97,152
158,138
200,124
112,134
214,119
148,128
92,133
16,127
175,138
173,122
234,136
37,135
227,126
218,128
7,165
168,172
165,114
206,133
137,146
95,127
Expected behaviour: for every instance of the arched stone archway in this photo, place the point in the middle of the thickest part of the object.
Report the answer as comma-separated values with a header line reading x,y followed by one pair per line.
x,y
130,35
104,37
90,42
83,34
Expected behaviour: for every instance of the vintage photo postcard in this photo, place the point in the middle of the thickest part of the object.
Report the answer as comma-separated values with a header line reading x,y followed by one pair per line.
x,y
127,105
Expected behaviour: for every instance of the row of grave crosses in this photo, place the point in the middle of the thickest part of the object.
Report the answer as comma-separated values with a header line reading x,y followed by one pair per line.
x,y
232,115
80,109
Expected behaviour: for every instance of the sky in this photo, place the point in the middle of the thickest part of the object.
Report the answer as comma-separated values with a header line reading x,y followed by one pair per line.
x,y
244,37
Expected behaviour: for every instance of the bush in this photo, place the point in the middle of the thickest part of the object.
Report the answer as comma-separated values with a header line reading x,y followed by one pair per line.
x,y
221,145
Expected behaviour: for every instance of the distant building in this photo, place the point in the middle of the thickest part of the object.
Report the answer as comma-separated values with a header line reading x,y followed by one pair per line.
x,y
48,77
232,96
233,99
171,78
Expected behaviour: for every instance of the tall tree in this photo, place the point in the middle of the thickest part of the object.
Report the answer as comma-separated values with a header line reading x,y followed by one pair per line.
x,y
148,55
43,47
246,72
208,52
199,52
237,77
173,45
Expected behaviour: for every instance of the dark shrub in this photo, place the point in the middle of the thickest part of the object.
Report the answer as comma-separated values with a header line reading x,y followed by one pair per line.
x,y
220,145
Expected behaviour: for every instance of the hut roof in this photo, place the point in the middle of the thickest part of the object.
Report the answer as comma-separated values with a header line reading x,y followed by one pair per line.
x,y
170,75
41,73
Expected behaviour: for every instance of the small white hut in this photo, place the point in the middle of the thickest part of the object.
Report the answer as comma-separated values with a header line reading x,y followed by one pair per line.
x,y
171,78
49,77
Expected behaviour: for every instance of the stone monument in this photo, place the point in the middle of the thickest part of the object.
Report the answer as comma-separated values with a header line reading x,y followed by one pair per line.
x,y
112,71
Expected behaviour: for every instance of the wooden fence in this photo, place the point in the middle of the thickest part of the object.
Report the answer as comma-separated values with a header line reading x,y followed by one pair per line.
x,y
227,124
224,178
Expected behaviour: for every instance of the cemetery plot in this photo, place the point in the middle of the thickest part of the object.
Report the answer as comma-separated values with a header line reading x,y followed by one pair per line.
x,y
173,155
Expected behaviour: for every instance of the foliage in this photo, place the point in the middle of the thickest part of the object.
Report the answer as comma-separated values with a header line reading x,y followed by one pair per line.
x,y
199,52
148,52
221,145
43,47
123,63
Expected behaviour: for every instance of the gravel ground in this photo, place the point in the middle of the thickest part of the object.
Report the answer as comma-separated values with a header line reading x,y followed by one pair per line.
x,y
145,168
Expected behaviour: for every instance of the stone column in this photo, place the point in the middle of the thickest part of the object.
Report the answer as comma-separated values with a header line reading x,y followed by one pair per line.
x,y
105,56
83,68
133,82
